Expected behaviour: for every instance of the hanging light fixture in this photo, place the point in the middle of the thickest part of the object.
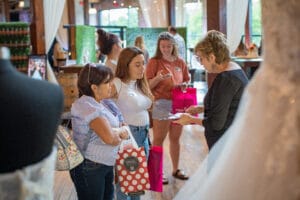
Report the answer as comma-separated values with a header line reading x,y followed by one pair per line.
x,y
21,4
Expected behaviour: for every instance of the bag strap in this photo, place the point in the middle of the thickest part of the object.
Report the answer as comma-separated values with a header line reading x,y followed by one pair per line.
x,y
130,141
60,137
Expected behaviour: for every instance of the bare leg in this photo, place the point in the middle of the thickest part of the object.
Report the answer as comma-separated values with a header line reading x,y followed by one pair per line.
x,y
160,130
174,136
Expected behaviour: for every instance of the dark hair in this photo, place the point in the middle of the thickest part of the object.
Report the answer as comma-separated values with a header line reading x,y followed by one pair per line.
x,y
172,29
122,71
165,36
93,74
106,41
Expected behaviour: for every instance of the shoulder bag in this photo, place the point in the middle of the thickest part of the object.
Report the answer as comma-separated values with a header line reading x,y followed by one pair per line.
x,y
68,154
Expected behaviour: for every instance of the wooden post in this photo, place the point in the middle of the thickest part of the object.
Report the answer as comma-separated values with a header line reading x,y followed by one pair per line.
x,y
216,15
71,12
37,29
216,20
71,30
171,13
6,10
72,40
86,12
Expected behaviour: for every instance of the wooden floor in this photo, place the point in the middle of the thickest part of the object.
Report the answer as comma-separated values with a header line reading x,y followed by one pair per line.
x,y
193,151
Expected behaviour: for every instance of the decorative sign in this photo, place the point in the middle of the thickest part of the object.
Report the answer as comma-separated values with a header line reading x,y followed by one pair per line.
x,y
37,66
85,44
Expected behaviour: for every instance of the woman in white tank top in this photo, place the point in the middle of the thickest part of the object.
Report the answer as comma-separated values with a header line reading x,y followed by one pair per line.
x,y
133,97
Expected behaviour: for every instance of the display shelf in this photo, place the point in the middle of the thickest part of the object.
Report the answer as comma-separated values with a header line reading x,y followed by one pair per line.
x,y
16,36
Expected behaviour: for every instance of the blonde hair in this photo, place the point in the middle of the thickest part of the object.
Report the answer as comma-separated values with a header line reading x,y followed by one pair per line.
x,y
214,43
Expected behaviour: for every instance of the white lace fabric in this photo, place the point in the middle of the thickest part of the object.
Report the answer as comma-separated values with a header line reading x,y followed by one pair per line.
x,y
251,164
34,182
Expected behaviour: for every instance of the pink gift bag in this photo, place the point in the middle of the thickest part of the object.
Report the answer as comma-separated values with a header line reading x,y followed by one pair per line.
x,y
182,99
155,168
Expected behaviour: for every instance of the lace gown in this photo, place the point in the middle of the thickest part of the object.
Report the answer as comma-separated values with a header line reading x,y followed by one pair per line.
x,y
259,156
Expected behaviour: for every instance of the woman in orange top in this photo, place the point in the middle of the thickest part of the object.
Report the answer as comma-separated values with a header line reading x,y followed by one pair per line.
x,y
164,72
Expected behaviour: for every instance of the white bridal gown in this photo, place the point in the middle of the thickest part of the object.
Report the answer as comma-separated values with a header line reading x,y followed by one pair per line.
x,y
259,156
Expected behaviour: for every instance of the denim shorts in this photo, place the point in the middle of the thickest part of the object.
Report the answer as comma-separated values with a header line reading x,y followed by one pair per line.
x,y
162,109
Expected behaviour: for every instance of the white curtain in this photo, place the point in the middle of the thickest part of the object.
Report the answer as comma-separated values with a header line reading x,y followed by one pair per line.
x,y
62,33
236,18
155,12
204,16
53,10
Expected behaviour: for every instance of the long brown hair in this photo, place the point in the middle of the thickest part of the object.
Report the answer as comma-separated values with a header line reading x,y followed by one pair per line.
x,y
165,36
122,71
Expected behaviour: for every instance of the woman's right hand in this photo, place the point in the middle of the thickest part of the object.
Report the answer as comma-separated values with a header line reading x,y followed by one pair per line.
x,y
194,109
184,119
162,76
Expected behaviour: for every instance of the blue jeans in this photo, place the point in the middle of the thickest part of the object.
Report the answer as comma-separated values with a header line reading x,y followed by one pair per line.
x,y
93,181
140,134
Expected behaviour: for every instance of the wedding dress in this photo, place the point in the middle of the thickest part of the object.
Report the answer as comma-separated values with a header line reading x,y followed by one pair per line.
x,y
259,156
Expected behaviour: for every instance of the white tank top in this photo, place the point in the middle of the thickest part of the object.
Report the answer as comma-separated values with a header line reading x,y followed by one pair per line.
x,y
133,103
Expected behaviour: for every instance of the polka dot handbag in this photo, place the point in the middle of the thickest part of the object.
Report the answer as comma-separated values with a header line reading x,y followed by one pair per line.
x,y
132,171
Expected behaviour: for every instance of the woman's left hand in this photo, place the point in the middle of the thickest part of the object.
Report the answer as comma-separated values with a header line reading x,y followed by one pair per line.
x,y
182,86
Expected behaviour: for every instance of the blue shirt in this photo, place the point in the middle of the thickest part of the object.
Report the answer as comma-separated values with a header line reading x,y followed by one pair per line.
x,y
83,111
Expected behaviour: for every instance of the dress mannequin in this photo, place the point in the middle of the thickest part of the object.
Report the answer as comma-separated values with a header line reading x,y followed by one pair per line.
x,y
258,157
30,113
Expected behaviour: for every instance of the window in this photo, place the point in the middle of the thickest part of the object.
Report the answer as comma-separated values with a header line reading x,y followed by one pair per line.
x,y
190,14
119,17
256,22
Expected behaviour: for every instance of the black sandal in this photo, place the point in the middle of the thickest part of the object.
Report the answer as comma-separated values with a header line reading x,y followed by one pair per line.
x,y
179,174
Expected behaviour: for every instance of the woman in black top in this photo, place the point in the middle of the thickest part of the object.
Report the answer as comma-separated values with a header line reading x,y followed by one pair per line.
x,y
223,97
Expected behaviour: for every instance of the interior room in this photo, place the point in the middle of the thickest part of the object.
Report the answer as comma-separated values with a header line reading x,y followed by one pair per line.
x,y
187,45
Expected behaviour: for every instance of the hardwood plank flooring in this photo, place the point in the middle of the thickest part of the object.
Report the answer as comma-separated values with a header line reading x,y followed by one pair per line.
x,y
193,151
